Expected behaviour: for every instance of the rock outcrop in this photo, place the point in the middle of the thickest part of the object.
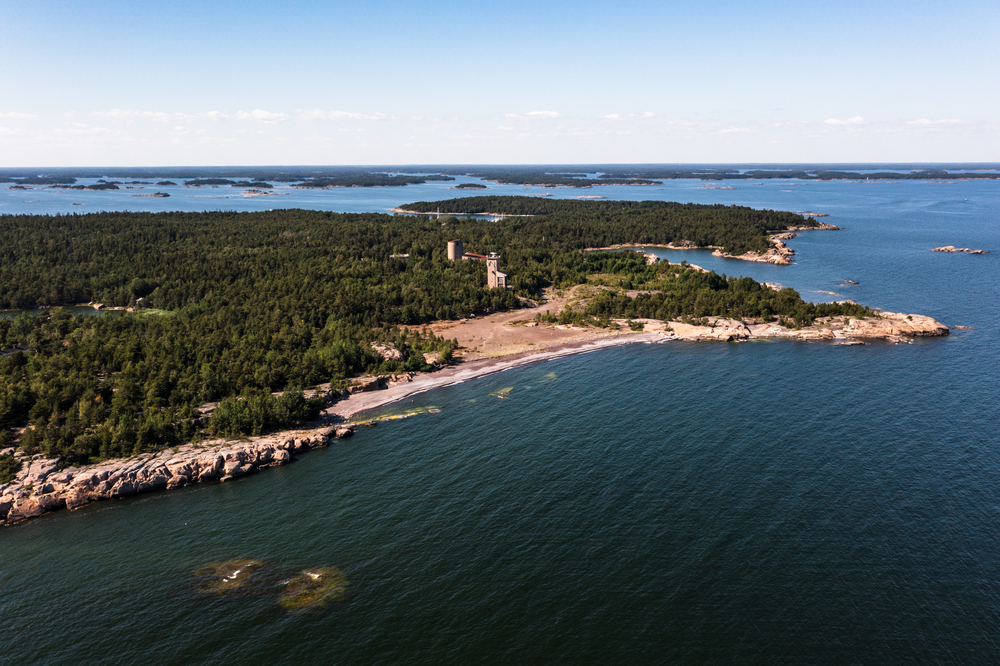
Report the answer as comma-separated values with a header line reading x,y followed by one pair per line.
x,y
366,384
889,326
952,248
779,254
40,487
894,325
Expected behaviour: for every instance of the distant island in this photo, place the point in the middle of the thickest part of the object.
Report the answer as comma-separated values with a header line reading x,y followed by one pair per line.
x,y
97,187
552,176
369,180
470,186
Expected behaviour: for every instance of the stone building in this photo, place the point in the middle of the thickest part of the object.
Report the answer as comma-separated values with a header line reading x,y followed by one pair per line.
x,y
494,278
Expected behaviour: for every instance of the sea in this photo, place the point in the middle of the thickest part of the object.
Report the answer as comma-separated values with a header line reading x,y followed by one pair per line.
x,y
677,503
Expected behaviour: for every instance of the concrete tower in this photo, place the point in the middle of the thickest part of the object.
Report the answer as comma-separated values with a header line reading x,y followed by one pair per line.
x,y
455,250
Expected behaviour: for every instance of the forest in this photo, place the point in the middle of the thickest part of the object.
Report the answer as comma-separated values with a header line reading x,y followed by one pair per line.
x,y
248,310
737,229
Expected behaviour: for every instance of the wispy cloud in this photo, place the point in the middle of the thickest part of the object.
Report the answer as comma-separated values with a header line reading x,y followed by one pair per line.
x,y
12,131
856,120
925,122
262,116
735,130
18,116
158,116
535,115
320,114
630,116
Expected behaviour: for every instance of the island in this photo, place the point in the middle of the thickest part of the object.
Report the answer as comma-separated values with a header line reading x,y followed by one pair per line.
x,y
369,180
470,186
238,341
952,248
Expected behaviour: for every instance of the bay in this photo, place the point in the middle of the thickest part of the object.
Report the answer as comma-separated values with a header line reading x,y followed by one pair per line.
x,y
769,502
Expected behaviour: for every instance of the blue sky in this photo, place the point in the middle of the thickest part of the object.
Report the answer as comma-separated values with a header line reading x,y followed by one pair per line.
x,y
196,83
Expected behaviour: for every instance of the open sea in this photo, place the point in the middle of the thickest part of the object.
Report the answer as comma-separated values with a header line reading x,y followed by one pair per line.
x,y
682,503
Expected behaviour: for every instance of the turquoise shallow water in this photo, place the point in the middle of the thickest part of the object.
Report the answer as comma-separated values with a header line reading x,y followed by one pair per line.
x,y
772,502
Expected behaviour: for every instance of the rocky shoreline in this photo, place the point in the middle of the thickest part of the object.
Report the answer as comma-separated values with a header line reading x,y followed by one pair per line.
x,y
778,254
895,327
41,487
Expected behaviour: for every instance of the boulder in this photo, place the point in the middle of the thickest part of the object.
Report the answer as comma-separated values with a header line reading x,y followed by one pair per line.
x,y
125,487
6,503
235,468
51,501
76,498
24,508
156,481
210,467
282,457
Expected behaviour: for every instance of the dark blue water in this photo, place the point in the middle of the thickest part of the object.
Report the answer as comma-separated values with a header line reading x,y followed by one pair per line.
x,y
772,502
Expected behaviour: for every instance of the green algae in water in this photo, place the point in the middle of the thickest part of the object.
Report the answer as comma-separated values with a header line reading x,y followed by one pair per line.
x,y
502,393
313,588
230,577
413,411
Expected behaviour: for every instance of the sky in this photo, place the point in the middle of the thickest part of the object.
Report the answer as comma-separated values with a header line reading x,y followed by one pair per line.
x,y
379,82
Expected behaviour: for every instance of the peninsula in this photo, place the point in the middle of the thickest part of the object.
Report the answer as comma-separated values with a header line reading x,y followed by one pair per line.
x,y
246,324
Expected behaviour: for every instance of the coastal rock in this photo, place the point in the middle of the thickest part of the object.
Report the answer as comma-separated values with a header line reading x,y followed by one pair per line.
x,y
77,498
779,254
156,481
370,384
952,248
50,501
24,508
125,487
893,324
724,330
74,488
39,470
235,468
6,502
210,467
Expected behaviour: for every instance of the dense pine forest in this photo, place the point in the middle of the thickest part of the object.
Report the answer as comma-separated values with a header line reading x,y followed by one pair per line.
x,y
737,229
234,307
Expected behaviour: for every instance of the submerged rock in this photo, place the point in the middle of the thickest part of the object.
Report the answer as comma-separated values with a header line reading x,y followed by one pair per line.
x,y
313,588
222,578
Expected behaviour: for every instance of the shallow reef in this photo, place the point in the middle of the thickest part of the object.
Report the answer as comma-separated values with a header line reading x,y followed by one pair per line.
x,y
313,588
231,576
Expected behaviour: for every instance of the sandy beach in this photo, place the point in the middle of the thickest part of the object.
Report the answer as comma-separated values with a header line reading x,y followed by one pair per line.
x,y
456,374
